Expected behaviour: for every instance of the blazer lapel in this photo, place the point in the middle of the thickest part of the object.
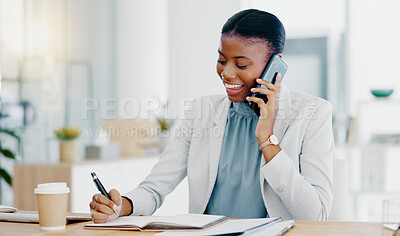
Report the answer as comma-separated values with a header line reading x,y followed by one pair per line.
x,y
217,130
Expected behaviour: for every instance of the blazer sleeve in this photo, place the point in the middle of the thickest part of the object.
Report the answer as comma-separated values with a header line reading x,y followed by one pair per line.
x,y
307,195
169,171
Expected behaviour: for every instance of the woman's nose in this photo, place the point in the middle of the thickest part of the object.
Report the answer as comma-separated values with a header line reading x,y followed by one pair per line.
x,y
228,74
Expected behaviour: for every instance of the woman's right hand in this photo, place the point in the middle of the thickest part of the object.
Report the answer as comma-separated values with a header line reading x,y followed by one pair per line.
x,y
102,208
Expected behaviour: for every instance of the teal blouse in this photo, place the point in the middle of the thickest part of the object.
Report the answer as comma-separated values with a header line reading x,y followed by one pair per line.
x,y
237,192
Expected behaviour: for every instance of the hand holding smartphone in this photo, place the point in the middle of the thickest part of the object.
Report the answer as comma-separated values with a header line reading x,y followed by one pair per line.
x,y
275,66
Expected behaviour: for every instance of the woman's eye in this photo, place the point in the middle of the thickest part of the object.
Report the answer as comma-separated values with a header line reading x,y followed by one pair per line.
x,y
241,67
221,62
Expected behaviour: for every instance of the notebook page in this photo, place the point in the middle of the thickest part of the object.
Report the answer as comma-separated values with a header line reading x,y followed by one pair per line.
x,y
229,227
138,221
194,220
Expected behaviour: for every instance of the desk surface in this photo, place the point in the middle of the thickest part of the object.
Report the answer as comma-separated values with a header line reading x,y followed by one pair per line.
x,y
303,228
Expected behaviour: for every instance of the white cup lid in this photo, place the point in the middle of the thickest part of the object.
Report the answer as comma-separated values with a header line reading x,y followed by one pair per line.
x,y
52,188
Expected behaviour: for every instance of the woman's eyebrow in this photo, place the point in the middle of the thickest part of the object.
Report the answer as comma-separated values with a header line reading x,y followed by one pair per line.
x,y
234,57
242,57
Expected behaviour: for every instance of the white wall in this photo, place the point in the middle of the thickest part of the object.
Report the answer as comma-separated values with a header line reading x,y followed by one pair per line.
x,y
11,38
305,15
194,35
374,48
168,49
141,48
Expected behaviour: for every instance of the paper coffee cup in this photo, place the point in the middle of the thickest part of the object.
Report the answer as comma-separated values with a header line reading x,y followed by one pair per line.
x,y
52,199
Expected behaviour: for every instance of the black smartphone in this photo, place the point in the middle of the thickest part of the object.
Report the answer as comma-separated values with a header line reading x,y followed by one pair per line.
x,y
276,65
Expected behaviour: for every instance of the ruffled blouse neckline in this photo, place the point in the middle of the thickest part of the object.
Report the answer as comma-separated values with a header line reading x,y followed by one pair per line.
x,y
243,108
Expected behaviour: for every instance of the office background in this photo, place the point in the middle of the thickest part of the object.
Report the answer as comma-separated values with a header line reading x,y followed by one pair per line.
x,y
57,54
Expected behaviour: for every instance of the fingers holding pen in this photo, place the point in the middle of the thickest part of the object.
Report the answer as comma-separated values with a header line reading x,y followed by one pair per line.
x,y
99,217
104,200
117,199
102,204
103,208
115,196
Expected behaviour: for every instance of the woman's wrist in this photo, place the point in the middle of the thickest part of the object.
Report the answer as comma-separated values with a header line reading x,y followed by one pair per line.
x,y
262,139
126,207
270,151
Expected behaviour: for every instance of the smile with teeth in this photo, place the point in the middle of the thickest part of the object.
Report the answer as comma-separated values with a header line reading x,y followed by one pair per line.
x,y
233,86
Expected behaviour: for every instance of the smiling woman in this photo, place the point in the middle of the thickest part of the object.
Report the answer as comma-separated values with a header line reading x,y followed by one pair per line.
x,y
248,41
277,164
239,64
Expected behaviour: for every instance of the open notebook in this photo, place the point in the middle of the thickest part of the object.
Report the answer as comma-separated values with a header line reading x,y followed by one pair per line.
x,y
161,223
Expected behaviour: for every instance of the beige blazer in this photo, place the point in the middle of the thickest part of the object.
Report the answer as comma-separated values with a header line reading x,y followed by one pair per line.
x,y
295,184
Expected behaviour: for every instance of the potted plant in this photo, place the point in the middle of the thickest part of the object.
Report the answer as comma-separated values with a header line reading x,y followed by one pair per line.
x,y
165,125
67,135
5,152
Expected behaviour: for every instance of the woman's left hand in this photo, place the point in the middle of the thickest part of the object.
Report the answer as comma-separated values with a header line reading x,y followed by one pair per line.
x,y
268,110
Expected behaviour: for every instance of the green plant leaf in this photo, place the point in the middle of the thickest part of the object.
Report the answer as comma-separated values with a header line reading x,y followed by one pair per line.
x,y
11,133
165,124
67,133
6,176
7,153
3,115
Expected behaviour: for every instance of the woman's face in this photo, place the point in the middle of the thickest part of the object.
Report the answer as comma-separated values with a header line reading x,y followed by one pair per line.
x,y
239,64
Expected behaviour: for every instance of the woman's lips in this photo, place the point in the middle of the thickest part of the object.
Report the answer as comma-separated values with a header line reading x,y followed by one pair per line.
x,y
233,89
